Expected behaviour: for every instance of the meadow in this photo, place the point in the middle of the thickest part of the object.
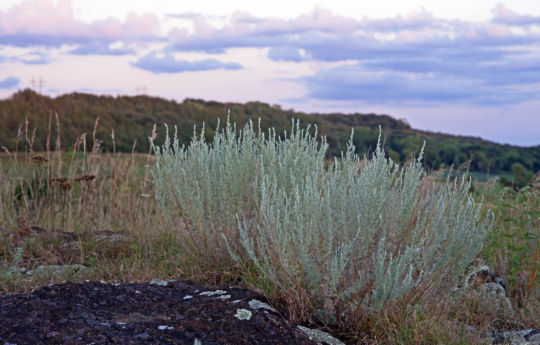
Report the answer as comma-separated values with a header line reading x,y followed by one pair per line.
x,y
271,213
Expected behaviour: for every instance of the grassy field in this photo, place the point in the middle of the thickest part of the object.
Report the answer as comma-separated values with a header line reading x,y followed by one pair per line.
x,y
83,191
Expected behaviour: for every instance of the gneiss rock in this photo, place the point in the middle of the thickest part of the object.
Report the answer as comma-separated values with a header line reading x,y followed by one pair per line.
x,y
479,273
256,304
159,282
480,280
527,337
320,337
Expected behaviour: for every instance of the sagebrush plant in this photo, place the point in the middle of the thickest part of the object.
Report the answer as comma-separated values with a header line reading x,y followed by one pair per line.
x,y
208,186
337,239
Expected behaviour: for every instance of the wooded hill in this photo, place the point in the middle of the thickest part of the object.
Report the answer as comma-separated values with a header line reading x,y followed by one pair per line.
x,y
132,118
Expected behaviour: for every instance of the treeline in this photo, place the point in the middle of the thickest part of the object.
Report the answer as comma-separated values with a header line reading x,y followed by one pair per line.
x,y
132,119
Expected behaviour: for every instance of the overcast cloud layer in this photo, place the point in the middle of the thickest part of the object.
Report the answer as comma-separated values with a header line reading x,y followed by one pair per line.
x,y
414,60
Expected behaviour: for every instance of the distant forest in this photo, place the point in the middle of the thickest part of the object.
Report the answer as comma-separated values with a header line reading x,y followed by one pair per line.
x,y
132,119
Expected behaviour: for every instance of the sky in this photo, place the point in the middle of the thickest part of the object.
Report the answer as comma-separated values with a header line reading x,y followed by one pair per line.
x,y
462,67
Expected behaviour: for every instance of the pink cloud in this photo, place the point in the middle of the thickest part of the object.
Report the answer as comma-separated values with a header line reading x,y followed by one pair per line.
x,y
134,27
178,33
324,20
503,14
202,28
37,16
498,30
414,20
43,17
241,23
322,26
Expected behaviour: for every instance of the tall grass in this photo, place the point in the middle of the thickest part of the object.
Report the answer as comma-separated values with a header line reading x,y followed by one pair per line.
x,y
514,245
79,190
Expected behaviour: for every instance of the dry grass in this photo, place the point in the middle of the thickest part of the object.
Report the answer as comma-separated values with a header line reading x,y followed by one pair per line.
x,y
82,191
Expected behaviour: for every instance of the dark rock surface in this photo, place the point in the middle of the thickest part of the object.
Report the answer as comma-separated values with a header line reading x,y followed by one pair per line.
x,y
174,312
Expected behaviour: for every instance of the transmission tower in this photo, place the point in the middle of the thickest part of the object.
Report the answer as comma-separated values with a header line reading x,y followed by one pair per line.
x,y
141,90
37,84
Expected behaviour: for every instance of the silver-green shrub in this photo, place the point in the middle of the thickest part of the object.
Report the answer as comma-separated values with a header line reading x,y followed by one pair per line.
x,y
204,187
358,233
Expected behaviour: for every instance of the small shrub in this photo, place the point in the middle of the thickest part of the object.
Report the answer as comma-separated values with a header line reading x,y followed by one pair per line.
x,y
331,240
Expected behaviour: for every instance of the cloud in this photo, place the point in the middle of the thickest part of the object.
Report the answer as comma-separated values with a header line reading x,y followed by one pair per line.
x,y
9,83
358,83
36,58
101,48
413,58
418,20
285,54
98,91
512,70
193,16
324,36
503,14
244,30
24,39
169,64
44,23
30,58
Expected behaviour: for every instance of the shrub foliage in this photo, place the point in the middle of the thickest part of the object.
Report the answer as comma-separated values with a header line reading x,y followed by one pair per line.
x,y
336,238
